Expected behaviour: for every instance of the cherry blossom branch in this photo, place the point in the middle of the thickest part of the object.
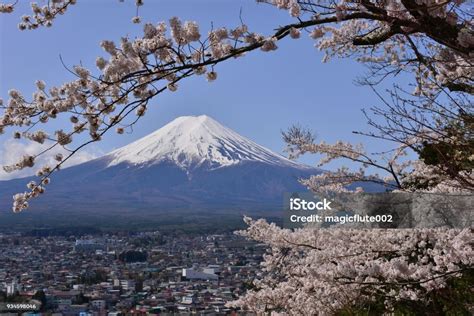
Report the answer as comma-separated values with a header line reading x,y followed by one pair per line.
x,y
347,267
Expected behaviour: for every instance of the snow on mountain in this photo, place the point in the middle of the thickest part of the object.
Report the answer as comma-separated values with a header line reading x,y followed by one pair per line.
x,y
192,165
192,141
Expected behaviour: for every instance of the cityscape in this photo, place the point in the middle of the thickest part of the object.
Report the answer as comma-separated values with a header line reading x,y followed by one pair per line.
x,y
142,273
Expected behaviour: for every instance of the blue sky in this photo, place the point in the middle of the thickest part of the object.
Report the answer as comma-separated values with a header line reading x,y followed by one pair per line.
x,y
257,96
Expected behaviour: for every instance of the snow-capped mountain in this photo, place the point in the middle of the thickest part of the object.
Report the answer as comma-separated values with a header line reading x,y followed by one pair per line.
x,y
192,164
193,141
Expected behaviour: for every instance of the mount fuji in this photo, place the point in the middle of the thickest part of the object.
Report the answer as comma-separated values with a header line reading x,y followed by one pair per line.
x,y
191,142
191,164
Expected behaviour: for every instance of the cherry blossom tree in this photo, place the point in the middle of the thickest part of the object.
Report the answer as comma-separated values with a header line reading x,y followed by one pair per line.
x,y
346,272
438,138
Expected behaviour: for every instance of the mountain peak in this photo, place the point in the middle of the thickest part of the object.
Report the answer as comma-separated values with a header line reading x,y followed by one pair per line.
x,y
192,119
192,141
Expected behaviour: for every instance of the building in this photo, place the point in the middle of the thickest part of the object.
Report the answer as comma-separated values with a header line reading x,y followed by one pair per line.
x,y
88,245
12,288
193,274
127,284
99,304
